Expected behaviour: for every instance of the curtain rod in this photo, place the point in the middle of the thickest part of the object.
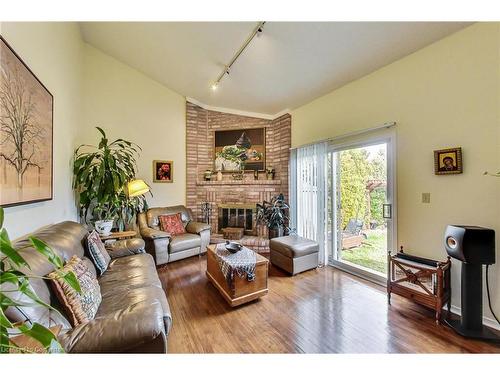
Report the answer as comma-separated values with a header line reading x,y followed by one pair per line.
x,y
385,125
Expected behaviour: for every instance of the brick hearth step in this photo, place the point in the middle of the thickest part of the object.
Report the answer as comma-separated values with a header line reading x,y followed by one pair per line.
x,y
258,244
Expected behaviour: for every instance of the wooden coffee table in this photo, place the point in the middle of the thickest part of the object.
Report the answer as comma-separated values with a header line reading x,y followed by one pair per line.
x,y
242,291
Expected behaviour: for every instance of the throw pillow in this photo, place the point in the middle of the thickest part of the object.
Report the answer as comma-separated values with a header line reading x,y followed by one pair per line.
x,y
80,307
97,252
172,224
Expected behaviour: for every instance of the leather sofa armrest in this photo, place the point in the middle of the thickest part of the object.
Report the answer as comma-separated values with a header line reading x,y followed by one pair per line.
x,y
196,227
152,234
126,247
124,330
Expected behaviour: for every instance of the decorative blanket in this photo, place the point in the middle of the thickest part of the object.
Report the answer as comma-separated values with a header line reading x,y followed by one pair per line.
x,y
242,263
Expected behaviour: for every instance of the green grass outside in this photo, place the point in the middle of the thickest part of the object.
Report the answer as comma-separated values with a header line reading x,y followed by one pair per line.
x,y
372,253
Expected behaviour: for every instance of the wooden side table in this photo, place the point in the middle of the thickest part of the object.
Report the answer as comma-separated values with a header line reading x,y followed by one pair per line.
x,y
118,235
114,236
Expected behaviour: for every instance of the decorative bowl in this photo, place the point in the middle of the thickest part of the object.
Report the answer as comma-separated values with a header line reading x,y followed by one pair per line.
x,y
233,247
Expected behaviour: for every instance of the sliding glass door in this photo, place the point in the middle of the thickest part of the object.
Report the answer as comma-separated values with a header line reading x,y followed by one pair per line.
x,y
361,206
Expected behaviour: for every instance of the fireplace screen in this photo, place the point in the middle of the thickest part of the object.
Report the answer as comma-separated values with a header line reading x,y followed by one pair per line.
x,y
237,216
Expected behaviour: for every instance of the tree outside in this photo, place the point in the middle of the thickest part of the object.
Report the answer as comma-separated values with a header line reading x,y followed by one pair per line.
x,y
360,170
363,181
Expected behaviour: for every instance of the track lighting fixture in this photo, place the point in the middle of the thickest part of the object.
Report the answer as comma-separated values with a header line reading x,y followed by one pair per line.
x,y
256,31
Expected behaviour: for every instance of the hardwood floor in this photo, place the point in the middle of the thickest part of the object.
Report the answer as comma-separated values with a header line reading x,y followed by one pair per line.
x,y
319,311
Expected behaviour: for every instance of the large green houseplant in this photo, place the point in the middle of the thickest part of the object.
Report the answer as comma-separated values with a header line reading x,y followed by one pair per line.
x,y
101,175
14,281
274,215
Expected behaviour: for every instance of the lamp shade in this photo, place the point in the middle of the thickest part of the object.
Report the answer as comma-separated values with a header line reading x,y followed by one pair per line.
x,y
137,187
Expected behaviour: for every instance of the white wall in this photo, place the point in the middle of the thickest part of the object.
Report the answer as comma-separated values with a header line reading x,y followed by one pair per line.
x,y
445,95
53,51
129,105
92,89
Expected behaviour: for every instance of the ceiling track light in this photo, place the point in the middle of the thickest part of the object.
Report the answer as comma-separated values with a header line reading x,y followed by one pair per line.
x,y
257,30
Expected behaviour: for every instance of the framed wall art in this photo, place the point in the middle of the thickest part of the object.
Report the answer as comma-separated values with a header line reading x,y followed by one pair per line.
x,y
448,161
242,149
26,132
163,171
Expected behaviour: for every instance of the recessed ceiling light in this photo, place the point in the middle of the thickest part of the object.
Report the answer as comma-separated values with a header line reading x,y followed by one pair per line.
x,y
214,86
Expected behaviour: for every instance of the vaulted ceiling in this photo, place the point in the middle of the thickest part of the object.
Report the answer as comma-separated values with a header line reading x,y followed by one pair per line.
x,y
288,65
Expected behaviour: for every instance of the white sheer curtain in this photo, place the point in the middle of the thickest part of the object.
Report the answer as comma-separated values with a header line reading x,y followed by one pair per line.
x,y
308,194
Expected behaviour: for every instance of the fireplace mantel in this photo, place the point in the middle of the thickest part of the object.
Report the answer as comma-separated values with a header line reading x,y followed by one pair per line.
x,y
239,182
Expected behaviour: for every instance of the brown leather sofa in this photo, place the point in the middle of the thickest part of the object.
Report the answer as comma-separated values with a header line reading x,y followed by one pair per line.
x,y
166,248
134,315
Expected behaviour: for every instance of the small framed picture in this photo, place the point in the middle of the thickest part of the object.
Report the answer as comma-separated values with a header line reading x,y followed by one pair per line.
x,y
448,161
163,171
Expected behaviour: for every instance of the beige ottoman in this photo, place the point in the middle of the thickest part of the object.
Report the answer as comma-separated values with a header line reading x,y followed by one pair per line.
x,y
294,254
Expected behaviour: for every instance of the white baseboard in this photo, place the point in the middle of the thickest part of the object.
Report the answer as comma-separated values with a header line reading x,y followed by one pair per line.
x,y
488,322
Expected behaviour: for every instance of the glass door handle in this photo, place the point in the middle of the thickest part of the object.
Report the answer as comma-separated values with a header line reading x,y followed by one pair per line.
x,y
387,211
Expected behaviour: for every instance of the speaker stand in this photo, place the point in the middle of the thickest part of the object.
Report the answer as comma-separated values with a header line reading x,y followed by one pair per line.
x,y
470,324
484,333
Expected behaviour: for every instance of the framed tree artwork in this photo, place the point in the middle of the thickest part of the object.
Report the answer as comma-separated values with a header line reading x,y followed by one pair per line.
x,y
26,133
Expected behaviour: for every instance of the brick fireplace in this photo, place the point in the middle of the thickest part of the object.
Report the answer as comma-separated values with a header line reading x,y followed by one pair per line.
x,y
233,194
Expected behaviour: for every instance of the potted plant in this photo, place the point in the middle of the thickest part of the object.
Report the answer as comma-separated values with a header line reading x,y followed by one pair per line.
x,y
16,283
274,215
100,180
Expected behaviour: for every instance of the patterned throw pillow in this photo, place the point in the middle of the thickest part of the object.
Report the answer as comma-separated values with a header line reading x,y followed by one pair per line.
x,y
172,224
97,252
79,307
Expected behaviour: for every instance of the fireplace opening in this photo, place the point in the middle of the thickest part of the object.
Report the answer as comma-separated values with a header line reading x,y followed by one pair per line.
x,y
237,216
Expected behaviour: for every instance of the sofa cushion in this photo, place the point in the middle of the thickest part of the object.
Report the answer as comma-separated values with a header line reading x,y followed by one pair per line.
x,y
128,329
184,241
172,224
129,280
149,294
80,307
129,272
126,247
97,252
293,246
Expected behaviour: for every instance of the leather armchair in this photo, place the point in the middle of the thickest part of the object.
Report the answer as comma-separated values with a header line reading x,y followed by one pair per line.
x,y
166,248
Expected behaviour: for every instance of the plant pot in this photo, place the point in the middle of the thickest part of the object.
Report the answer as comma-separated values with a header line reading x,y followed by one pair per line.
x,y
276,232
104,227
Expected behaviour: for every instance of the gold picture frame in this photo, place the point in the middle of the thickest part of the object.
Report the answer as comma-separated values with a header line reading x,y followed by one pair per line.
x,y
163,171
448,161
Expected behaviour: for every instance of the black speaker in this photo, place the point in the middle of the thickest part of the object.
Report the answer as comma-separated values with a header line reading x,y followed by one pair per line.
x,y
474,246
470,244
